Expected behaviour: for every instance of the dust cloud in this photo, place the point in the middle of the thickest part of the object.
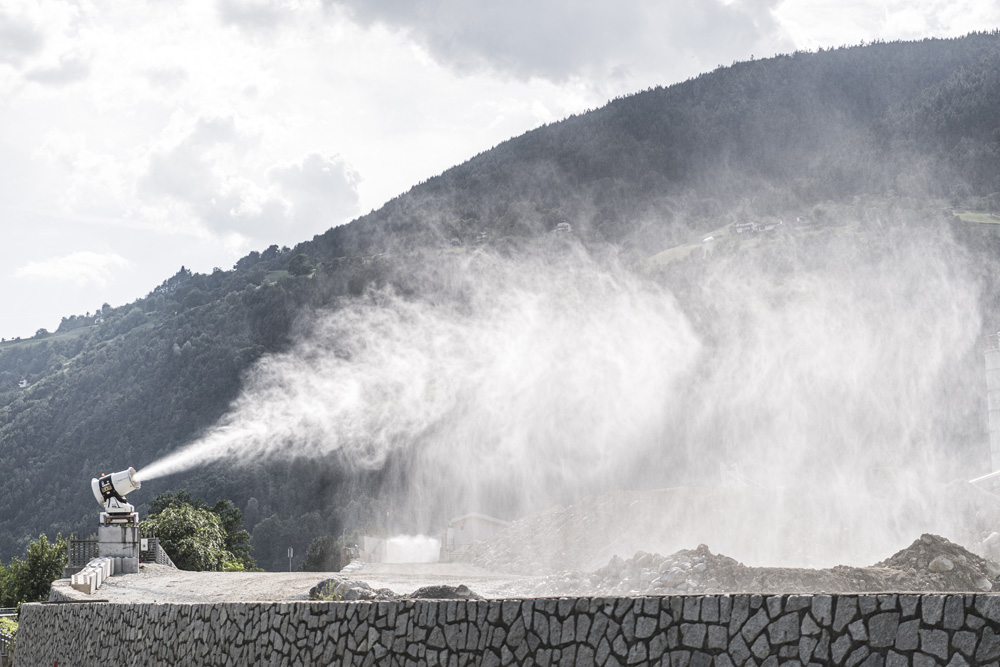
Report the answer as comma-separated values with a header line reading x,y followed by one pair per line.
x,y
523,377
833,372
412,549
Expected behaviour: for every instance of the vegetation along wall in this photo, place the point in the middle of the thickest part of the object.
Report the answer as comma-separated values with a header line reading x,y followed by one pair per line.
x,y
719,630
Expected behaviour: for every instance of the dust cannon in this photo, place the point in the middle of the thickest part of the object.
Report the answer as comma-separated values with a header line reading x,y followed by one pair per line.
x,y
118,531
110,492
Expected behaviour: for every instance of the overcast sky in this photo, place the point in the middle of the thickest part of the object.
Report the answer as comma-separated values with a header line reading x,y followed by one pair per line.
x,y
136,137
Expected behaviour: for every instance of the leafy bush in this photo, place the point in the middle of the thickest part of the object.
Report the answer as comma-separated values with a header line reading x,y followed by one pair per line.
x,y
193,538
237,539
323,555
8,626
29,580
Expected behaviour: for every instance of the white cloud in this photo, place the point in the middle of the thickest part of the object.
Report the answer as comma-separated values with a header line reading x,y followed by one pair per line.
x,y
78,268
187,170
70,69
209,174
254,15
826,23
201,175
40,35
19,38
594,38
96,182
166,77
322,191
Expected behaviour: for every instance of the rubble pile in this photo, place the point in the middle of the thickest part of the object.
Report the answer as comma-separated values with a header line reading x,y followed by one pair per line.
x,y
687,571
585,548
796,526
931,563
941,565
585,535
341,589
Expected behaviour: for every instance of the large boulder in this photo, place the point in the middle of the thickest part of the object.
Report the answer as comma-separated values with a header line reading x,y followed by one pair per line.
x,y
339,589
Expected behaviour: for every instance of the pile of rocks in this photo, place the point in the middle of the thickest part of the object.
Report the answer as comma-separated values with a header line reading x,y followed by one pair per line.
x,y
931,563
943,565
789,526
341,589
687,571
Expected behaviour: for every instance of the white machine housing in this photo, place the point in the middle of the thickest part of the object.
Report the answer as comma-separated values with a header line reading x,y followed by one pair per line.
x,y
110,492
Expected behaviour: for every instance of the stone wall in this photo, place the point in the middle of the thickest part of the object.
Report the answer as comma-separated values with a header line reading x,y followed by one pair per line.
x,y
687,631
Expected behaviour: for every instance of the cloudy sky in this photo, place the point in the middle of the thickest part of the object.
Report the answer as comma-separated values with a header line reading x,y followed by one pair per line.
x,y
136,137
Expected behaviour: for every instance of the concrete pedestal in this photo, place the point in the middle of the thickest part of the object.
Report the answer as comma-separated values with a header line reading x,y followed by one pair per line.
x,y
120,542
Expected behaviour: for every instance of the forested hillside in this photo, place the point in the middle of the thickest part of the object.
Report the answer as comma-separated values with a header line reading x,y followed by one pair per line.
x,y
883,134
904,119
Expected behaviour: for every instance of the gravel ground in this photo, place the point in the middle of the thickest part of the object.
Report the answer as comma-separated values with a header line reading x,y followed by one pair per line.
x,y
404,578
157,583
930,563
610,544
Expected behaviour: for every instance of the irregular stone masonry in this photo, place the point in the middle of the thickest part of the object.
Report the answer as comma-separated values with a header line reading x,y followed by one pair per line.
x,y
884,630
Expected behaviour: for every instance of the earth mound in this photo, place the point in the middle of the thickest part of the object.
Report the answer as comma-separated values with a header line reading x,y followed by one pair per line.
x,y
944,566
339,589
931,563
791,526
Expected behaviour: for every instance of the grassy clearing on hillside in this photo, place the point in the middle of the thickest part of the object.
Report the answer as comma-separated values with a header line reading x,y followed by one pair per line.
x,y
709,242
978,217
62,336
274,276
684,251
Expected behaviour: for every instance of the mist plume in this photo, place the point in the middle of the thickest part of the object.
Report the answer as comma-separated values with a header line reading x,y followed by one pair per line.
x,y
825,367
534,373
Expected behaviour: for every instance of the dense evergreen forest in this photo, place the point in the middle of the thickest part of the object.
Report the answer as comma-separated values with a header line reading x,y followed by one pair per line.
x,y
896,128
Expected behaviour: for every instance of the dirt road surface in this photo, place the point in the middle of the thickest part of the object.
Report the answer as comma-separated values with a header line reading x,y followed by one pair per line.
x,y
157,583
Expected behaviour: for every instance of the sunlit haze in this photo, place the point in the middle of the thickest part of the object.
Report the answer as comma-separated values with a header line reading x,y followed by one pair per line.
x,y
139,137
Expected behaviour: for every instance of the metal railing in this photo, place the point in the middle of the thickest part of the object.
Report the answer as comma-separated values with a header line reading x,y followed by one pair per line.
x,y
155,554
81,551
6,644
